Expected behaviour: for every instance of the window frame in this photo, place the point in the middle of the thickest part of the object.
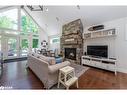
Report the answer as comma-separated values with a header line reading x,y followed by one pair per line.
x,y
52,38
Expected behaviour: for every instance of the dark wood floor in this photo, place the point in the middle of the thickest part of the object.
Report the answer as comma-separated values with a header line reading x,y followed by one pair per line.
x,y
19,77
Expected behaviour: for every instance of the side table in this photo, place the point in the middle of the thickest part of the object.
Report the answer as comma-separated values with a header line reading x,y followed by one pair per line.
x,y
67,77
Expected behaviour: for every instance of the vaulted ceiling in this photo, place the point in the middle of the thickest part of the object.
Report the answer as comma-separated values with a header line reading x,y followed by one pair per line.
x,y
56,16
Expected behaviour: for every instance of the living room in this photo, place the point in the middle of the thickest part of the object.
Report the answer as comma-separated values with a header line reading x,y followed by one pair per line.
x,y
40,43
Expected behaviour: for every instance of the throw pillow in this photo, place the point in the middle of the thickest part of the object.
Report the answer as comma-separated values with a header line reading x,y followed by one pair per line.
x,y
50,60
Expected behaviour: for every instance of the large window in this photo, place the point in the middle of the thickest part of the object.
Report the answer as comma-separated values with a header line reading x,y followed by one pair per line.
x,y
18,38
28,24
9,19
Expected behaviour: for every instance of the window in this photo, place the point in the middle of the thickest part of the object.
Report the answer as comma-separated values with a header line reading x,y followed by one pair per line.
x,y
12,49
35,43
19,38
55,40
28,25
0,43
9,19
24,43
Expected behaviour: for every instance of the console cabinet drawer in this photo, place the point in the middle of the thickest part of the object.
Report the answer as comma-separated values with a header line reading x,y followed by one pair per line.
x,y
112,67
87,62
96,63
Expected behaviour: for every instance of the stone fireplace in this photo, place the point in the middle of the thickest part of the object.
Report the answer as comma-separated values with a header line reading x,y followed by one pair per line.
x,y
72,42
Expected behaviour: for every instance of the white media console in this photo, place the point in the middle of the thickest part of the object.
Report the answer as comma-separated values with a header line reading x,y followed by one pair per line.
x,y
103,63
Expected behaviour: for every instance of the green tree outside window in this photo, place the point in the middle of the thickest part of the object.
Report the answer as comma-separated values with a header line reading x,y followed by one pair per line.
x,y
35,43
24,43
28,25
9,19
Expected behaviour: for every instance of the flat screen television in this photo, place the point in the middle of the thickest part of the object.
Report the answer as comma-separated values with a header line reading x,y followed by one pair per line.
x,y
97,51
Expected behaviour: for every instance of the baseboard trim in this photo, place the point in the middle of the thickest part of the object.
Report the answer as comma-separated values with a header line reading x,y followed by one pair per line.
x,y
122,70
15,59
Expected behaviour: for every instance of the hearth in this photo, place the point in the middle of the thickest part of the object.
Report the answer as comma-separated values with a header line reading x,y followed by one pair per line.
x,y
70,53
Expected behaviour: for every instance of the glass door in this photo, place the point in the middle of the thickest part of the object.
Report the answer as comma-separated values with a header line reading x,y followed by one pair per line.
x,y
9,44
12,47
35,43
28,43
0,43
9,47
24,46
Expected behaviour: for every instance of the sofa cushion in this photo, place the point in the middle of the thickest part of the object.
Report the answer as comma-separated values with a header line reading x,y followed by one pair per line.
x,y
55,68
50,60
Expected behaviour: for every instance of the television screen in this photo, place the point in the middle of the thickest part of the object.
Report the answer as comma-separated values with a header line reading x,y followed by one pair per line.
x,y
97,51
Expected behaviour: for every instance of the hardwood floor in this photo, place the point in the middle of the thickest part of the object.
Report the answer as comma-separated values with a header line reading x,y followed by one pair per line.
x,y
16,74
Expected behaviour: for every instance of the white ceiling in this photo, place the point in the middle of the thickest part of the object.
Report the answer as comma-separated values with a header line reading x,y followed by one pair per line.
x,y
89,15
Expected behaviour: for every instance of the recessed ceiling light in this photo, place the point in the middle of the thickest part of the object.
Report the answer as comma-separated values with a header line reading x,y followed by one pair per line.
x,y
78,7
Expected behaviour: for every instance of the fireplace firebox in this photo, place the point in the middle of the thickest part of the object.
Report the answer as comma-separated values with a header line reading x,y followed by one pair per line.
x,y
70,53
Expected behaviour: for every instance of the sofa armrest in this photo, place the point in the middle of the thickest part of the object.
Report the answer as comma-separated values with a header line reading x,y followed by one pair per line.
x,y
54,68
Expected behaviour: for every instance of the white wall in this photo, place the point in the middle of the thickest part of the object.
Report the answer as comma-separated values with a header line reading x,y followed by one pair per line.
x,y
42,36
117,45
110,41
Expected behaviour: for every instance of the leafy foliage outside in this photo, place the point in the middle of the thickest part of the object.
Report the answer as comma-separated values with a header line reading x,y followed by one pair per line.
x,y
6,22
28,25
24,43
35,43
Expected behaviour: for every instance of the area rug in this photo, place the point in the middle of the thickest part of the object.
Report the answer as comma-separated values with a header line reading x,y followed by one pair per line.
x,y
79,70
